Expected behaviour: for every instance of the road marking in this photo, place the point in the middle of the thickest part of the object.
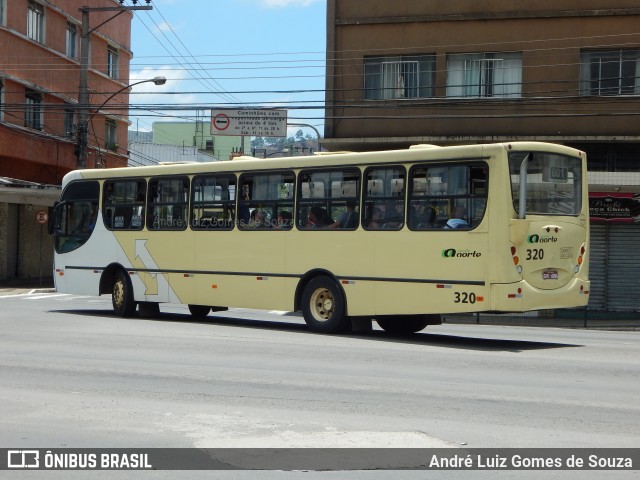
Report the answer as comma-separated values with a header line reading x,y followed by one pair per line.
x,y
47,295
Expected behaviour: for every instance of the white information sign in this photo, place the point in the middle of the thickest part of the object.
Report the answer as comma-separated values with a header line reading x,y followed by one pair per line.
x,y
260,122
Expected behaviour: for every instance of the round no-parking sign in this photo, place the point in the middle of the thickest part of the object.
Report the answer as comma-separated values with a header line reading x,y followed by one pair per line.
x,y
42,217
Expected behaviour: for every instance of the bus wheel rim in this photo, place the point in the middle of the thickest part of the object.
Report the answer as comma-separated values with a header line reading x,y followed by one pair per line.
x,y
118,293
322,304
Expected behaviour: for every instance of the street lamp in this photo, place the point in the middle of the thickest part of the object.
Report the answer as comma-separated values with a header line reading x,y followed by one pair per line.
x,y
83,128
83,94
159,80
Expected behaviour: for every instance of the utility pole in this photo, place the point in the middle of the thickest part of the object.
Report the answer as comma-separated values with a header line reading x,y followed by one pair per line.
x,y
83,92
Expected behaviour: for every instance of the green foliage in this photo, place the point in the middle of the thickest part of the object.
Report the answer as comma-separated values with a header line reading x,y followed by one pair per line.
x,y
298,144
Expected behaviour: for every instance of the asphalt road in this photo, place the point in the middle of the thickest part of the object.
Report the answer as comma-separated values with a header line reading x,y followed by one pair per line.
x,y
73,375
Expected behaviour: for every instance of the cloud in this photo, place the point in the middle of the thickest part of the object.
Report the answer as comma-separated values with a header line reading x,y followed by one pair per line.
x,y
164,27
287,3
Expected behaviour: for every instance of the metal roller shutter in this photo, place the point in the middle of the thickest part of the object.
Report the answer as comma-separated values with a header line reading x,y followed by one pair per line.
x,y
598,266
623,268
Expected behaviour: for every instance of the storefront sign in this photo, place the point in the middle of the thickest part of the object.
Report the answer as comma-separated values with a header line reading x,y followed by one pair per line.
x,y
614,207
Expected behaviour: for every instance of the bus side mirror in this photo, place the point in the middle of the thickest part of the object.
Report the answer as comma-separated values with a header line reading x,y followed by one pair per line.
x,y
55,218
51,222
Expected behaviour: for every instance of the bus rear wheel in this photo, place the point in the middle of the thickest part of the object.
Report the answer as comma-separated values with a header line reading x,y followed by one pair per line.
x,y
122,295
405,324
199,311
323,306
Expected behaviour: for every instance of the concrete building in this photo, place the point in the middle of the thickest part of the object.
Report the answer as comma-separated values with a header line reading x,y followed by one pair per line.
x,y
198,134
406,72
141,154
39,79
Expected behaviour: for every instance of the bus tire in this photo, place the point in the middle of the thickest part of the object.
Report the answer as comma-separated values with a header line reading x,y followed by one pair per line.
x,y
122,299
199,311
405,324
323,306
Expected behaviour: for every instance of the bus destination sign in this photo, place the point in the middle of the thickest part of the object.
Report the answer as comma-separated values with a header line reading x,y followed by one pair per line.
x,y
257,122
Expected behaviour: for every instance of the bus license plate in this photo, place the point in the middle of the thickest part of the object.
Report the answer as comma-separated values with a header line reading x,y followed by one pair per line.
x,y
550,275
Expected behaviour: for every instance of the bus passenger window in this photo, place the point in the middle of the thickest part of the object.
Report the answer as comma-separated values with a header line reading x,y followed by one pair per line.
x,y
385,193
451,197
329,199
123,204
168,203
213,199
265,196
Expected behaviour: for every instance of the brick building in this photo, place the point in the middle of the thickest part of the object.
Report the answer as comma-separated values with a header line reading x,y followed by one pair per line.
x,y
39,84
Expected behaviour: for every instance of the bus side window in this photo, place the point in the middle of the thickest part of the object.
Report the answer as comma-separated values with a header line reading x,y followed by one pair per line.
x,y
447,196
168,205
384,193
213,200
123,204
329,199
264,197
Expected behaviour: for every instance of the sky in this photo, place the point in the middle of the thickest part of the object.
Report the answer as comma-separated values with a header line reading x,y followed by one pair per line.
x,y
227,54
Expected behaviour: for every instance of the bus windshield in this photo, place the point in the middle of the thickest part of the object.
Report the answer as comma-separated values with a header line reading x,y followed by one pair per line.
x,y
553,183
75,216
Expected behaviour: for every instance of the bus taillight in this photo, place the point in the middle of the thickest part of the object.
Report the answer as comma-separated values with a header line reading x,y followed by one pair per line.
x,y
582,252
516,259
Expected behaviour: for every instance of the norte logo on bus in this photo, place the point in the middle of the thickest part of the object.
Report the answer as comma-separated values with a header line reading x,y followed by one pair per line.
x,y
535,238
453,253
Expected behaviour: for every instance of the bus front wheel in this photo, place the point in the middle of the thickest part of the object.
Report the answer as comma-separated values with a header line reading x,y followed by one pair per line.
x,y
323,306
122,295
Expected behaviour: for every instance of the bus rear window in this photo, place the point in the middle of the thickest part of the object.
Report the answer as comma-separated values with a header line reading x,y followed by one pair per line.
x,y
553,183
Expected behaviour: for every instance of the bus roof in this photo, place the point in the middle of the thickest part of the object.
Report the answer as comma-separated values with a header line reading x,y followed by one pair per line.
x,y
246,163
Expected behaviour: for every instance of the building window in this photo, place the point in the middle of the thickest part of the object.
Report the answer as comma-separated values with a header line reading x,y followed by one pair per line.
x,y
112,62
111,135
72,40
2,9
484,75
33,110
69,121
35,22
610,72
399,77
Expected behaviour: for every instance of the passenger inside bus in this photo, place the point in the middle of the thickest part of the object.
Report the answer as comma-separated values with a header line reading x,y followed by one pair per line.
x,y
457,219
317,218
347,219
261,219
392,218
422,217
374,220
284,221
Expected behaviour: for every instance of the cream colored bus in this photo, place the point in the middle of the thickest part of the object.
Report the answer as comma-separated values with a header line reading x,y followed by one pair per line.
x,y
399,237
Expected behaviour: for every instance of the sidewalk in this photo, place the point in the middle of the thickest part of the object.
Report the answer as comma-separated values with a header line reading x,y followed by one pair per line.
x,y
19,287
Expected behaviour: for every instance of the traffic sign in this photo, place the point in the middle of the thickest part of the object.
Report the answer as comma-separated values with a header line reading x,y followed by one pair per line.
x,y
257,122
42,217
220,122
